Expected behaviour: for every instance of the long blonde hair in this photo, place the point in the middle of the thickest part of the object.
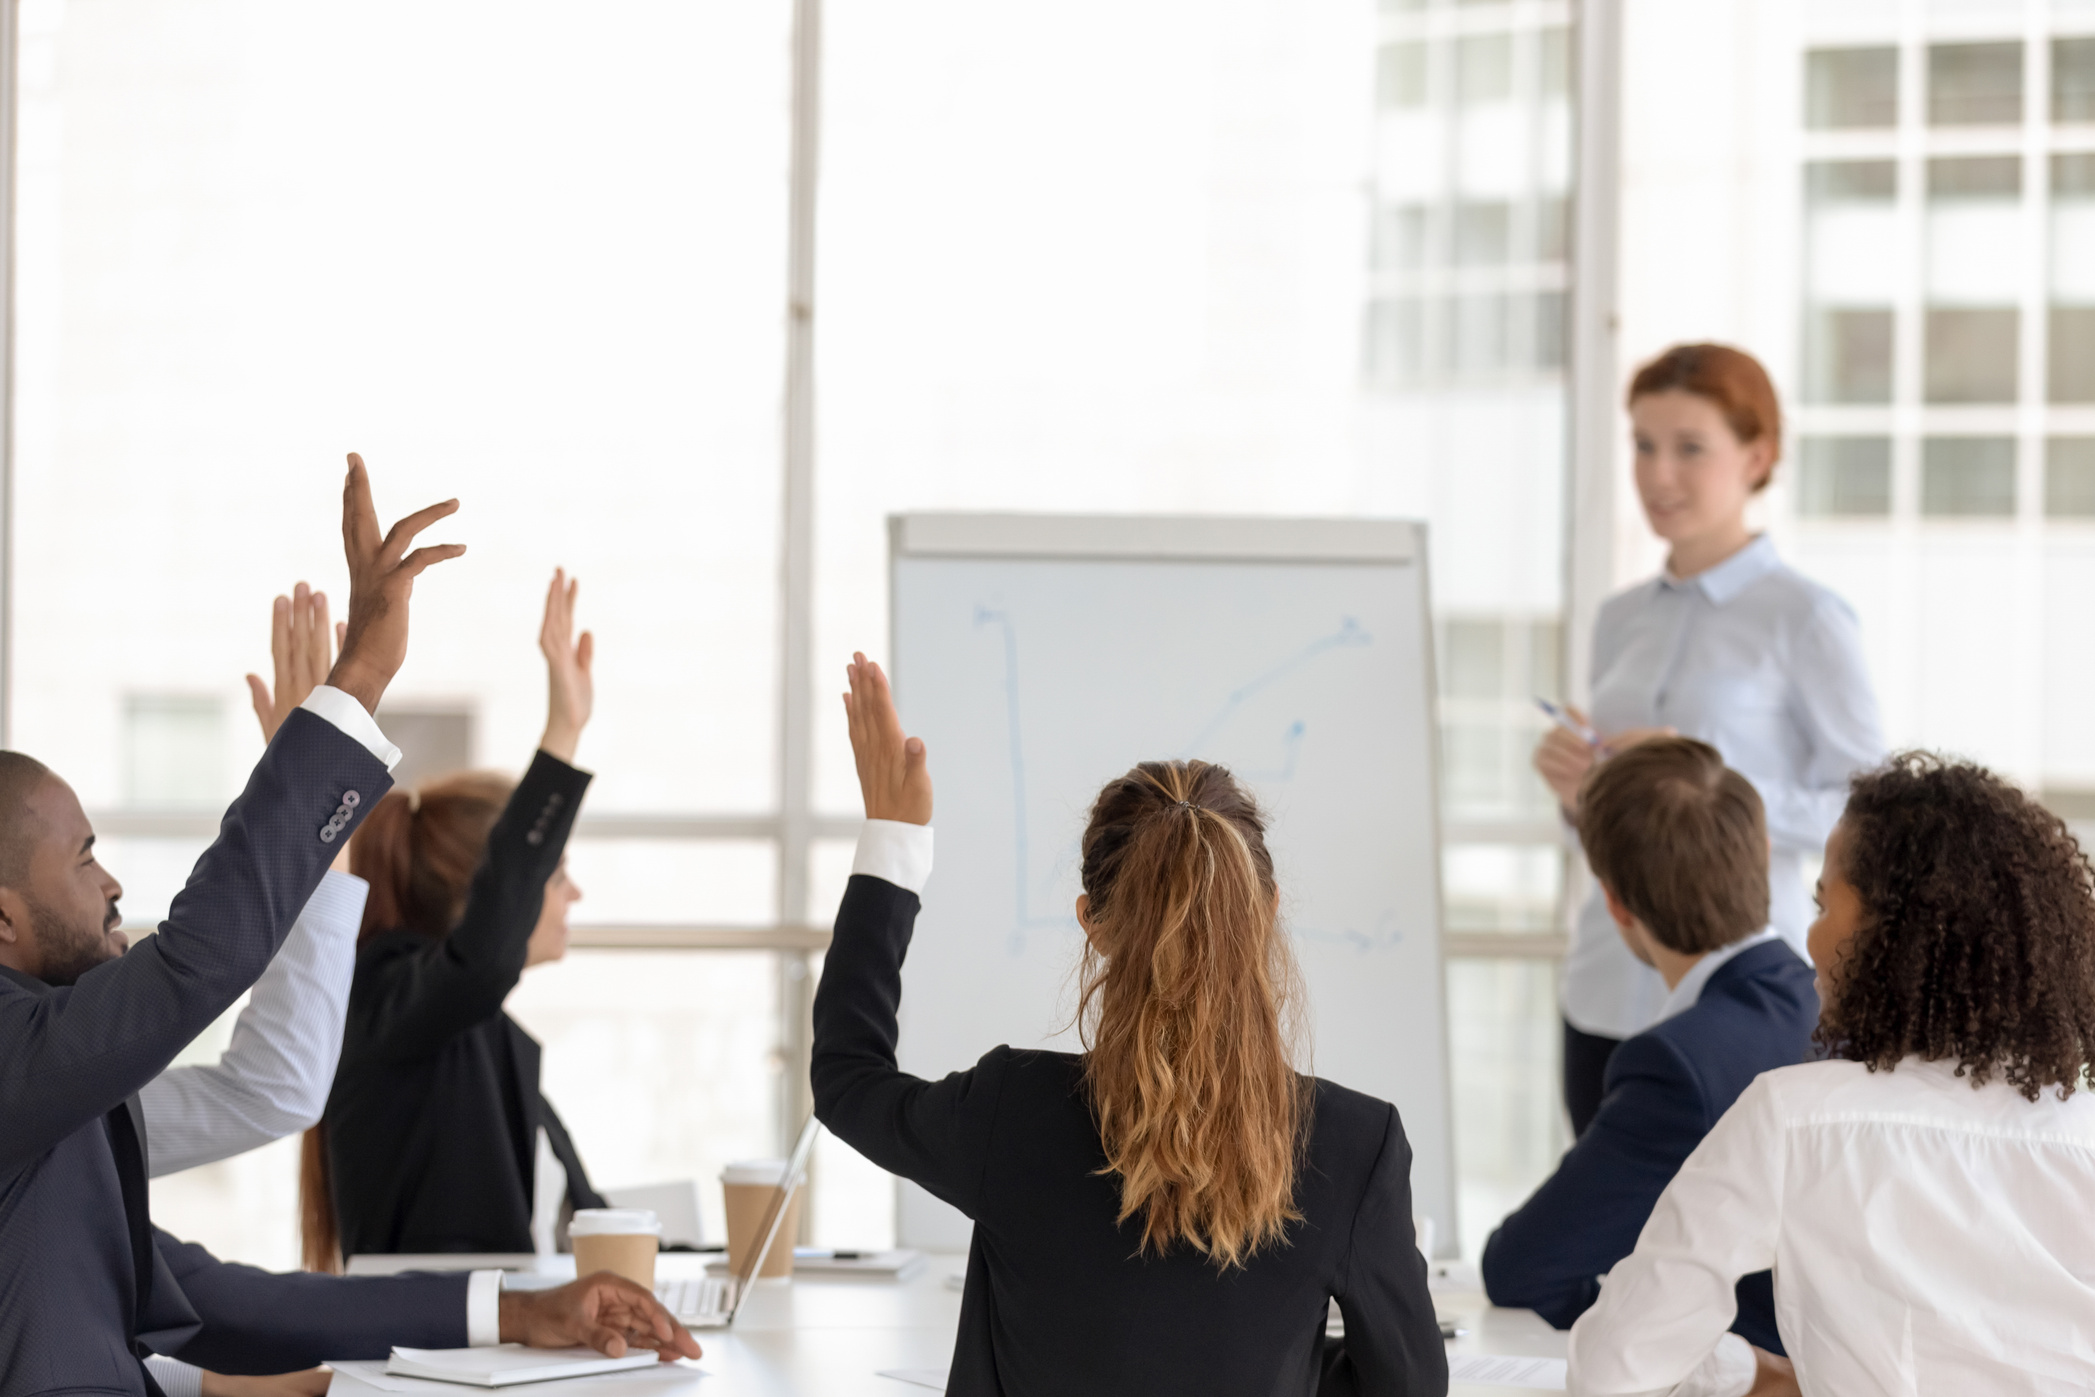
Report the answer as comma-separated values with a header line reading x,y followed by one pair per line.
x,y
1187,1013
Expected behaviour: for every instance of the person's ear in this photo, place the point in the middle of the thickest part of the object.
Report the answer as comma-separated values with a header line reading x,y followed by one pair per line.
x,y
1760,463
1084,921
1624,918
14,919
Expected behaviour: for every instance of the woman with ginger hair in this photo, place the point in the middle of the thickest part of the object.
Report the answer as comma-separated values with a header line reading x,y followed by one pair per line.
x,y
437,1137
1728,645
1173,1209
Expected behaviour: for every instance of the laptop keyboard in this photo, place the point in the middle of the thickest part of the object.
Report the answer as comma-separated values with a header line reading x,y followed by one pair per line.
x,y
693,1298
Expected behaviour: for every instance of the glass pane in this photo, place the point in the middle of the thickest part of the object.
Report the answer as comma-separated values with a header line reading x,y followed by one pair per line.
x,y
1396,341
1975,177
1967,476
1483,233
1400,75
2073,79
1505,1041
174,747
664,1065
1844,476
2071,368
2069,477
1851,87
507,254
1971,355
1500,887
1974,84
1400,238
1847,356
1484,68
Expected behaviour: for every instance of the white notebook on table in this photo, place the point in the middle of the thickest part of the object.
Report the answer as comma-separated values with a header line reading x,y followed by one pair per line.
x,y
506,1365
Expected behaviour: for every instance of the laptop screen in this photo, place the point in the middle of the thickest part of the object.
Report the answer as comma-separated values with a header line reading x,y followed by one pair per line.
x,y
781,1200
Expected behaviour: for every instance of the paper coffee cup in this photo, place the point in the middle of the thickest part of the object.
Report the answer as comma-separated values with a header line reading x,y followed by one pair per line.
x,y
621,1240
748,1188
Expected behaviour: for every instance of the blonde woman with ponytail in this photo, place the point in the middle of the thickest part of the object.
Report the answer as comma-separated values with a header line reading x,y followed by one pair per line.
x,y
1171,1210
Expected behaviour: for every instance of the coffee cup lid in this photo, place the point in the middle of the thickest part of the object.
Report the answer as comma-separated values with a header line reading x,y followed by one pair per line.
x,y
614,1222
768,1172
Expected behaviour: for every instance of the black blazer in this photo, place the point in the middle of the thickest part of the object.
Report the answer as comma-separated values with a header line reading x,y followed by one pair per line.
x,y
1666,1087
84,1277
432,1126
1057,1300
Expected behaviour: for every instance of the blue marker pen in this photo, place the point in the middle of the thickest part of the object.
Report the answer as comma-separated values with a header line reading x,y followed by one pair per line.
x,y
1568,723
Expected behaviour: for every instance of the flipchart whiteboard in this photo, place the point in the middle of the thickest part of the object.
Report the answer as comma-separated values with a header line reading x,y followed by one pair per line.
x,y
1041,656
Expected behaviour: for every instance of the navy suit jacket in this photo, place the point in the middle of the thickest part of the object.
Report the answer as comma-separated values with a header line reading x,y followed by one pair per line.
x,y
1665,1088
83,1282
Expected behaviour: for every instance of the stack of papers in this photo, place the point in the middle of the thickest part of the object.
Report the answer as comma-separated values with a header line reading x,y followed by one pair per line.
x,y
1506,1370
505,1365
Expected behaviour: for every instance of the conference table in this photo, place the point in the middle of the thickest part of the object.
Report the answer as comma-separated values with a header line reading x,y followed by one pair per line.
x,y
828,1335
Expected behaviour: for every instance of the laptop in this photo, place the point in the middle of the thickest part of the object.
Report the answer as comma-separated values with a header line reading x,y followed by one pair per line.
x,y
714,1301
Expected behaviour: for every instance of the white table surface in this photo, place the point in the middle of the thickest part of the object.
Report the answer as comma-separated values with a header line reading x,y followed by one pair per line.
x,y
832,1335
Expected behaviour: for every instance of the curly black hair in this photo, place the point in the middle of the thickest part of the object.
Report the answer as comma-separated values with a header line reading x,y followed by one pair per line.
x,y
1977,942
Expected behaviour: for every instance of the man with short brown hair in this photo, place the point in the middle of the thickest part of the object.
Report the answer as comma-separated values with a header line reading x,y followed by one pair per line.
x,y
1679,845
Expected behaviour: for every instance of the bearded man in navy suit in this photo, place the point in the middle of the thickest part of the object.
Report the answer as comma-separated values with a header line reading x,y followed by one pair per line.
x,y
88,1287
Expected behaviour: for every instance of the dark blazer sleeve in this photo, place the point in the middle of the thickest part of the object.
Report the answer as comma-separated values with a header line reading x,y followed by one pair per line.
x,y
1392,1346
256,1321
407,1007
936,1134
1548,1255
69,1056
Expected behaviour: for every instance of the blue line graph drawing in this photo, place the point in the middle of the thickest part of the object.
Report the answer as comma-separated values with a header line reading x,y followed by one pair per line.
x,y
1024,918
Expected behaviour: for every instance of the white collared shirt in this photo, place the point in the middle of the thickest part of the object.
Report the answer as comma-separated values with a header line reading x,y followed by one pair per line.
x,y
1685,995
287,1039
1927,1236
274,1076
1766,666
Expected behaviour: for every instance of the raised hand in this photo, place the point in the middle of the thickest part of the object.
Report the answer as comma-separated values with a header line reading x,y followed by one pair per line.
x,y
382,576
570,691
605,1311
892,773
301,642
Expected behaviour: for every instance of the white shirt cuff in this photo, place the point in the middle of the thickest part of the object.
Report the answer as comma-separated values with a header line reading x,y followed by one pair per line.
x,y
1727,1372
176,1378
338,901
483,1309
346,713
896,852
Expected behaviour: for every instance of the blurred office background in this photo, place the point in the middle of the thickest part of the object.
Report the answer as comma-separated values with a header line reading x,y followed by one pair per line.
x,y
1261,256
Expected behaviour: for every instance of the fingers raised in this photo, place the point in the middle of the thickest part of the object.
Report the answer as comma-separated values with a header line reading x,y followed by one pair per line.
x,y
359,517
413,564
403,533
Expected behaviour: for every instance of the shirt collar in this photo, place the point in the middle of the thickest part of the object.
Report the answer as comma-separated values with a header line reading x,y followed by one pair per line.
x,y
1732,576
1689,990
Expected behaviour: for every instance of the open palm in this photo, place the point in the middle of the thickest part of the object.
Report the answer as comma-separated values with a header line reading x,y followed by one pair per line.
x,y
570,688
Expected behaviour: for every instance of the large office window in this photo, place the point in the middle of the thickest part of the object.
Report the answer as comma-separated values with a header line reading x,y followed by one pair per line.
x,y
522,254
536,258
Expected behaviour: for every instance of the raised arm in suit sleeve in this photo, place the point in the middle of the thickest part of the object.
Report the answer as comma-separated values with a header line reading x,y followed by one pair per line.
x,y
1548,1254
70,1055
255,1321
934,1133
1392,1346
274,1077
408,1004
1658,1329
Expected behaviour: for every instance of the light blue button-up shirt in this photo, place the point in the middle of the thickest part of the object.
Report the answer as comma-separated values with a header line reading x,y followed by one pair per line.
x,y
1766,666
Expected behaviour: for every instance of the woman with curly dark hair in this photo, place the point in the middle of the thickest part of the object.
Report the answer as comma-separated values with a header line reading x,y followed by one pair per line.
x,y
1924,1195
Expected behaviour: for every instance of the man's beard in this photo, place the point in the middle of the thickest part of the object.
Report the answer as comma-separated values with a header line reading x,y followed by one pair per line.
x,y
70,952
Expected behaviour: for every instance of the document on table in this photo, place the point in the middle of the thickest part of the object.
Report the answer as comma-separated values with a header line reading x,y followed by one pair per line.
x,y
1506,1371
933,1378
368,1376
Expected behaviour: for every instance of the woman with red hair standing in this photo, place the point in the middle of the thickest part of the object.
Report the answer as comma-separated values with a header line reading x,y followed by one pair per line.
x,y
1729,645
